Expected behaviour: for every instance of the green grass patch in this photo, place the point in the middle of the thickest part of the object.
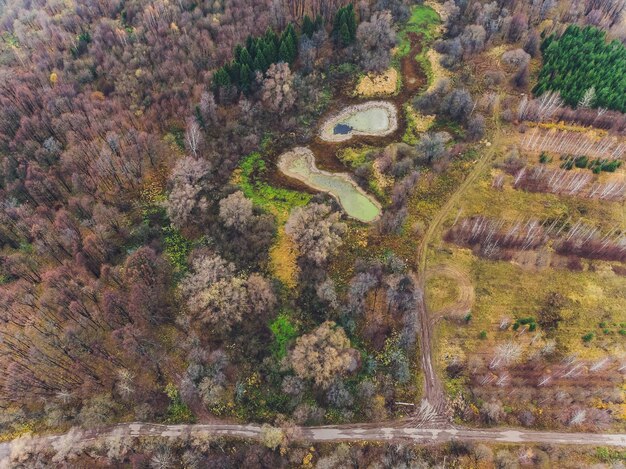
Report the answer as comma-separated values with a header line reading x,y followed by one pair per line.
x,y
177,249
423,21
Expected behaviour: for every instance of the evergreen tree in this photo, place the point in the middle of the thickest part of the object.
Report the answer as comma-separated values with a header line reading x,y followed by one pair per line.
x,y
270,52
344,25
245,58
308,27
237,52
221,78
585,69
319,22
234,71
259,62
284,54
351,21
249,41
344,34
271,37
245,77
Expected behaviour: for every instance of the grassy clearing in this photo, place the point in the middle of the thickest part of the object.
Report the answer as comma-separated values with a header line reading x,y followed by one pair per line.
x,y
441,292
416,124
595,304
276,200
596,300
279,202
514,204
379,84
424,20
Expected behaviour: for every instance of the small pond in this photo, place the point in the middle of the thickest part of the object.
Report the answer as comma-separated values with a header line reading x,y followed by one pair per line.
x,y
299,163
374,118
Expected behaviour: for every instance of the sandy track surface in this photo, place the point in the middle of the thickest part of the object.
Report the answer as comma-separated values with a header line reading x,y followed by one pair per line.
x,y
385,431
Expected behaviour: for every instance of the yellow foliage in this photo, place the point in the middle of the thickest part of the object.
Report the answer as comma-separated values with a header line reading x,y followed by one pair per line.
x,y
254,380
53,78
592,132
378,84
417,123
138,73
497,51
174,27
284,259
437,70
306,461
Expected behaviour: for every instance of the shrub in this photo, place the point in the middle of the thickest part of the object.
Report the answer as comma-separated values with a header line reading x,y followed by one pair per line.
x,y
588,337
284,331
545,158
581,161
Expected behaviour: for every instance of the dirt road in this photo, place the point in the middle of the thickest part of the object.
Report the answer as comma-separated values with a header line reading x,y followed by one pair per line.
x,y
377,432
433,388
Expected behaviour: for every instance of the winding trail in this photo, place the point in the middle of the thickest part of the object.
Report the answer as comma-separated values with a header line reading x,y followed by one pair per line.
x,y
433,387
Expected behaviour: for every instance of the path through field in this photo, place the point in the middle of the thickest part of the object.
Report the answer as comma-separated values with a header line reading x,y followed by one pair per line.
x,y
433,388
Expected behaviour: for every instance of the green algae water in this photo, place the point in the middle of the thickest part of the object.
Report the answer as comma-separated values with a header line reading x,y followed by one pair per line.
x,y
300,164
373,120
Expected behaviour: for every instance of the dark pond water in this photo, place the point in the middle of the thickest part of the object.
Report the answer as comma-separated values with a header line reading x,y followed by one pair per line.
x,y
342,129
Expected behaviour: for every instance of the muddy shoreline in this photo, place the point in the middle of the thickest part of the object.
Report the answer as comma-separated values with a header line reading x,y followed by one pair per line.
x,y
413,80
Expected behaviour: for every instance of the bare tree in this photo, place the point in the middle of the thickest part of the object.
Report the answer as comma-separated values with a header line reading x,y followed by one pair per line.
x,y
505,355
188,199
316,230
193,137
375,39
323,354
278,93
236,211
473,39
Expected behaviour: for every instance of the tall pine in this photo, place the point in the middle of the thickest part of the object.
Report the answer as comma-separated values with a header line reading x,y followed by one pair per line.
x,y
308,27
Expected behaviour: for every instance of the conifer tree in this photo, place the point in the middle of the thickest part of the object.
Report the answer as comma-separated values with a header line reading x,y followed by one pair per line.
x,y
308,27
344,34
285,53
344,25
221,78
245,77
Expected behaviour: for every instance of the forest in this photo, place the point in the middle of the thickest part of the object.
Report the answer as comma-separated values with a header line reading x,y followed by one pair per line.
x,y
584,68
157,265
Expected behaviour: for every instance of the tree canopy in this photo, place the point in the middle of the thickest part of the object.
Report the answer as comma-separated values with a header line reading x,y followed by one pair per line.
x,y
580,60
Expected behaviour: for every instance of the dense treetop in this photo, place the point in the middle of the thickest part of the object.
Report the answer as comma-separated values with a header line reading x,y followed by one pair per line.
x,y
581,60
